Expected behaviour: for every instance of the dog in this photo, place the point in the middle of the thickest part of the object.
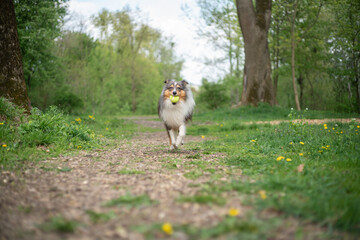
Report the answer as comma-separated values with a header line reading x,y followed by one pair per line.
x,y
174,114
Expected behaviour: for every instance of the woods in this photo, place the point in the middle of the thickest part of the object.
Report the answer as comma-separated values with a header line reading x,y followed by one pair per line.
x,y
290,53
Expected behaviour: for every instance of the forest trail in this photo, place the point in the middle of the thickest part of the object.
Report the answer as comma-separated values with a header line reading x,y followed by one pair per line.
x,y
73,187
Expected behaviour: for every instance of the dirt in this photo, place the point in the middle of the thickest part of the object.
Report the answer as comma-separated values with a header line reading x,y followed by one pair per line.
x,y
30,199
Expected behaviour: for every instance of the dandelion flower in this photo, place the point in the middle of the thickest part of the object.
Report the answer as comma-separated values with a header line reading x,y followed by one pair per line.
x,y
167,228
288,160
203,137
1,123
301,154
291,143
107,128
78,147
233,212
302,143
253,140
92,117
221,125
327,146
4,145
78,120
280,158
325,125
262,194
358,126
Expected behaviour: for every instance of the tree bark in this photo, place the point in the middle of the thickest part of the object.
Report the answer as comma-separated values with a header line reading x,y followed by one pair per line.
x,y
12,81
254,23
296,96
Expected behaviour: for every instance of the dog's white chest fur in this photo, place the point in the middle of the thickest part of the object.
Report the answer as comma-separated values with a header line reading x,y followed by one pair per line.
x,y
174,115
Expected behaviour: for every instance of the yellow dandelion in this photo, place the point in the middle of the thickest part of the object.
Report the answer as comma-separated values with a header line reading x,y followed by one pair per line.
x,y
78,120
325,125
334,129
323,147
327,146
341,132
280,158
78,147
262,194
233,212
203,137
167,228
221,125
302,143
4,145
1,123
291,143
358,126
301,154
288,160
253,140
320,151
107,128
92,117
325,128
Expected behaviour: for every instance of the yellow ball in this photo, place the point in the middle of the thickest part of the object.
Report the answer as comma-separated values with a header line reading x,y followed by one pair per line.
x,y
174,99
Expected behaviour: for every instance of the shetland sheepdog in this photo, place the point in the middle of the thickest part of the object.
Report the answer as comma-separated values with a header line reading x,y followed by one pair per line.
x,y
176,114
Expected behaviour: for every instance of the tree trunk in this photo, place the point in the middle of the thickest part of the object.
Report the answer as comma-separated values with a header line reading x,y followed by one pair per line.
x,y
12,81
257,85
293,57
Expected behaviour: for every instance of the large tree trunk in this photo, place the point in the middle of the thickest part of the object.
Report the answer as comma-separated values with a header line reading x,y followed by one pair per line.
x,y
12,81
257,85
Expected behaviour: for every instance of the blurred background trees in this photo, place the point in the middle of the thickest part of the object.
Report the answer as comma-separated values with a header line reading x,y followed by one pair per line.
x,y
314,52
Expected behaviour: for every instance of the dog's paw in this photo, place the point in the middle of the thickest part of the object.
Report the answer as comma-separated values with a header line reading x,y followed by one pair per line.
x,y
172,147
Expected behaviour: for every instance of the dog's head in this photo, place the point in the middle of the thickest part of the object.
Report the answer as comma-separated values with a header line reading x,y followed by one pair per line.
x,y
173,88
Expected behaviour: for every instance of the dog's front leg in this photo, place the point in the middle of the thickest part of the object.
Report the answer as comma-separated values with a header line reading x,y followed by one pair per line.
x,y
172,139
180,137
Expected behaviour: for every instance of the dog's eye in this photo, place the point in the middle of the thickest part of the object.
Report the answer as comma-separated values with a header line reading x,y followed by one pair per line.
x,y
178,89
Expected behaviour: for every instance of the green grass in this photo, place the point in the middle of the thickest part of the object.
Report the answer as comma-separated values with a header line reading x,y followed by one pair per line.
x,y
41,135
130,201
96,217
203,199
327,191
59,224
130,171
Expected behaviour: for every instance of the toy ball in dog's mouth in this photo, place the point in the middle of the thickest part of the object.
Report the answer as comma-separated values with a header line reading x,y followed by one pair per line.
x,y
174,99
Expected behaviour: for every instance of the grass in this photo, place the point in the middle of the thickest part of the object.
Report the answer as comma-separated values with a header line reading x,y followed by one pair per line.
x,y
326,191
96,217
130,201
41,135
59,224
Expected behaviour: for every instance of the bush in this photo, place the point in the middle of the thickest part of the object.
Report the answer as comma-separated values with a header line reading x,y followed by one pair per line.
x,y
212,95
67,101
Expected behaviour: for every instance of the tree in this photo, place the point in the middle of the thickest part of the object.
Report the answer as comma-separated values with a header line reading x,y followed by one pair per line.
x,y
255,23
39,24
12,83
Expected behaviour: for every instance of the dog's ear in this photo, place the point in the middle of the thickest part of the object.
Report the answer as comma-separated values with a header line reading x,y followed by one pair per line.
x,y
166,81
184,83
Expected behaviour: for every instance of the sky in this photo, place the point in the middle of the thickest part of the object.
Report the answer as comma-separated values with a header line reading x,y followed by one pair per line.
x,y
169,18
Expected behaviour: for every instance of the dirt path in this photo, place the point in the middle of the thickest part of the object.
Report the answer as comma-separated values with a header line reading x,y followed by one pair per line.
x,y
70,186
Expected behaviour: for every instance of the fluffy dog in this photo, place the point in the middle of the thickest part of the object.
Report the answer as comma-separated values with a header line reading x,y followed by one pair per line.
x,y
176,114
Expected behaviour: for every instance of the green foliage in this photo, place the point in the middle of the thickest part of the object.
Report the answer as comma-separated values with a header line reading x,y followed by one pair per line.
x,y
39,23
10,111
66,100
212,95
